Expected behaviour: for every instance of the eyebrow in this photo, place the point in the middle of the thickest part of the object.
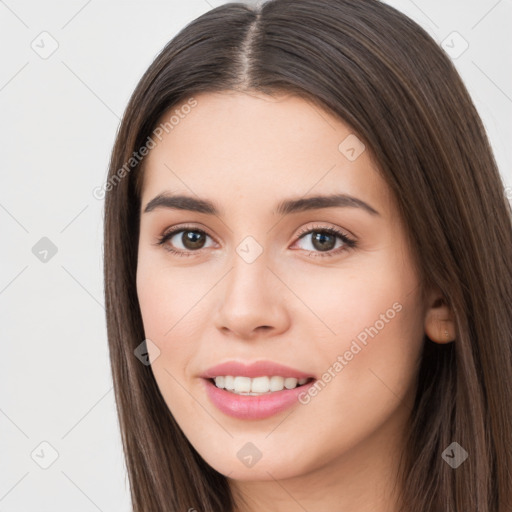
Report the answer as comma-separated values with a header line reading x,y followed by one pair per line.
x,y
184,202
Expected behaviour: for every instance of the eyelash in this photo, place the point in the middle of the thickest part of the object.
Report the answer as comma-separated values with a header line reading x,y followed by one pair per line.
x,y
349,243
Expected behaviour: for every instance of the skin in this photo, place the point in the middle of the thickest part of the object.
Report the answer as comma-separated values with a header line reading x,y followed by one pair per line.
x,y
246,152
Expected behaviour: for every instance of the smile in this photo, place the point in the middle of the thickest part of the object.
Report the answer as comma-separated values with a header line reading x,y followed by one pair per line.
x,y
258,385
248,405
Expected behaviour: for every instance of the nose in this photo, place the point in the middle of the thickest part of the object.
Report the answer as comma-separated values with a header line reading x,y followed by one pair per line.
x,y
251,301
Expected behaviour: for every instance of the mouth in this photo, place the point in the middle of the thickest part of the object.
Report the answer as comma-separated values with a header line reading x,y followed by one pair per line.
x,y
255,390
258,386
243,403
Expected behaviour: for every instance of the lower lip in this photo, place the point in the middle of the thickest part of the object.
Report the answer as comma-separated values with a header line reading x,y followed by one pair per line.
x,y
248,407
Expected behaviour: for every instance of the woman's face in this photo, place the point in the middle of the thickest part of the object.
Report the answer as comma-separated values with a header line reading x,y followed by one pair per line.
x,y
263,279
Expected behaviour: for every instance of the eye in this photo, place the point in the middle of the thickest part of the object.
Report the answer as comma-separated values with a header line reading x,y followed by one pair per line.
x,y
321,241
184,241
325,241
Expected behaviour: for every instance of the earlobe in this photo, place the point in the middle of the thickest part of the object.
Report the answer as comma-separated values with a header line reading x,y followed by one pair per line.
x,y
439,321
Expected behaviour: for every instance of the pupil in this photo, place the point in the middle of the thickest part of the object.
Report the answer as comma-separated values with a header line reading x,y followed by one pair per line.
x,y
323,241
192,239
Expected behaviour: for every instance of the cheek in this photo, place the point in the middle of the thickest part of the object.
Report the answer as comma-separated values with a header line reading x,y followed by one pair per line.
x,y
169,319
369,314
166,297
370,364
155,300
172,303
354,300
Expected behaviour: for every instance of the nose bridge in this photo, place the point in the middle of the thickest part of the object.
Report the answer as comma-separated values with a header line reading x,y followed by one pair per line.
x,y
248,278
250,299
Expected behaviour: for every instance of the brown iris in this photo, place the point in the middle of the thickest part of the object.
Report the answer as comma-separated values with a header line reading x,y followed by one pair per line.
x,y
323,241
193,239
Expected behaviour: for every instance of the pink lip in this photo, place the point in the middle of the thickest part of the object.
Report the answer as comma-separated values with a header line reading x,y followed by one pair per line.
x,y
257,369
253,407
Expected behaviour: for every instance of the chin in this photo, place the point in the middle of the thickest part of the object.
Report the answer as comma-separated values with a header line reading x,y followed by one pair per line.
x,y
265,469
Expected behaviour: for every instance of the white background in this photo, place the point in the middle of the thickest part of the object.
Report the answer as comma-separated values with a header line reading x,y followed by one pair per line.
x,y
58,121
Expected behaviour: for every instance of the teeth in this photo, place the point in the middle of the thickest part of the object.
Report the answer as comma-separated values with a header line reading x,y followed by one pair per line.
x,y
242,385
229,382
258,385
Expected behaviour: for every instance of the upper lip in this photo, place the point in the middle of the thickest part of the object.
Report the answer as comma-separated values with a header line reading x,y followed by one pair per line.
x,y
255,369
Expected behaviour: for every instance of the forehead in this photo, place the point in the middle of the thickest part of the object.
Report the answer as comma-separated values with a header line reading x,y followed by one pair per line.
x,y
252,146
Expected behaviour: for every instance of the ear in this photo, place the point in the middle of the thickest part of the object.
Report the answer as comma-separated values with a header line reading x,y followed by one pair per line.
x,y
439,319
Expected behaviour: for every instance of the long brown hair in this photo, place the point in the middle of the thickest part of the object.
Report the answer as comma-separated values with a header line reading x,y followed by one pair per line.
x,y
385,77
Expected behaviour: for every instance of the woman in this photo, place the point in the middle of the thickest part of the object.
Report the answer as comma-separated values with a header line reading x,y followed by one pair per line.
x,y
308,254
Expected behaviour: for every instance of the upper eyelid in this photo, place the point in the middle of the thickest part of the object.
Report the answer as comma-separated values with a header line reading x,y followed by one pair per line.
x,y
339,231
175,230
302,231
